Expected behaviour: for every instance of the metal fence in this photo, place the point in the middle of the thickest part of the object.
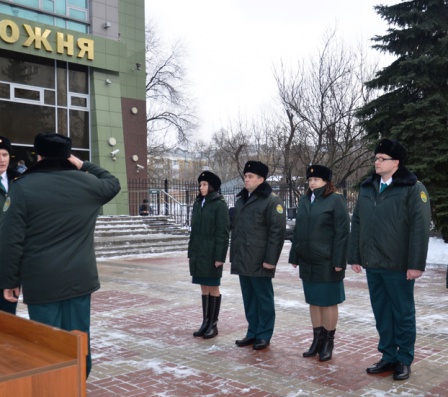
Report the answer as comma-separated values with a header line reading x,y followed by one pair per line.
x,y
175,198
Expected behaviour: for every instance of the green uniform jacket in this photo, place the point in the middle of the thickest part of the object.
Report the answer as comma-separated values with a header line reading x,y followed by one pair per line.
x,y
258,232
209,237
321,235
391,230
47,228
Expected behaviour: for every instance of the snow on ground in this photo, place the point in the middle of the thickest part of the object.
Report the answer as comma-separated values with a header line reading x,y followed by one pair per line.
x,y
437,251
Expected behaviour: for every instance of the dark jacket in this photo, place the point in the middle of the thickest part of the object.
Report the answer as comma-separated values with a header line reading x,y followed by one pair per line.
x,y
258,232
11,173
209,237
321,235
46,234
391,230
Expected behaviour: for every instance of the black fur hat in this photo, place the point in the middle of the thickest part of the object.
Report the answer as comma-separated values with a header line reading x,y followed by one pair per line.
x,y
211,178
256,167
393,149
5,144
319,171
52,145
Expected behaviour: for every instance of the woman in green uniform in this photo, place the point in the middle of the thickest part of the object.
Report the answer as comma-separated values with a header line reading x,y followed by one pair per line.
x,y
319,248
207,249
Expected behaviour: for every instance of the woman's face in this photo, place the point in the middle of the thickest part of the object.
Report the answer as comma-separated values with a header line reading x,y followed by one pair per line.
x,y
203,188
316,183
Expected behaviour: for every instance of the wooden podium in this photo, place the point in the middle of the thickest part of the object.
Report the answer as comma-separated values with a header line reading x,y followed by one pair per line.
x,y
37,360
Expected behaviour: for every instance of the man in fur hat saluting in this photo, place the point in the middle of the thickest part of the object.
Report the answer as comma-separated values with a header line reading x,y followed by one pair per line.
x,y
257,240
389,238
46,235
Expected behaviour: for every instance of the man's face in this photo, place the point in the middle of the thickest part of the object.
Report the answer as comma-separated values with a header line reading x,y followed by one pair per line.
x,y
4,160
385,165
252,181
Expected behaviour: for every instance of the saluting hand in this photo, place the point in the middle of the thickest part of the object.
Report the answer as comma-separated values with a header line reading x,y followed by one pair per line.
x,y
76,161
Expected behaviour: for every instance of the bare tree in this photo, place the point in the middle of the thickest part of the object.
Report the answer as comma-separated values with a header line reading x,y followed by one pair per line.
x,y
319,101
170,110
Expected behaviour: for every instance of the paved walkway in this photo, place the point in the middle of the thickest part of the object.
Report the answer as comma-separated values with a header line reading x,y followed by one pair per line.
x,y
144,315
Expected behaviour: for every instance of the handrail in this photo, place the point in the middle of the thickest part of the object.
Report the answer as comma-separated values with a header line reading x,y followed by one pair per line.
x,y
172,208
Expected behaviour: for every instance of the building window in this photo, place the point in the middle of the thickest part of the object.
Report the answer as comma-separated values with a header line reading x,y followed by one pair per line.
x,y
38,94
68,14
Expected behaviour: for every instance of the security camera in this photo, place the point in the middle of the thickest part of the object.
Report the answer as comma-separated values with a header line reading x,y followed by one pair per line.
x,y
138,168
114,153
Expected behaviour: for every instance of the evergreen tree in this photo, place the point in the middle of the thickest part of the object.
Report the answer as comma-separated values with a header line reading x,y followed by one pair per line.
x,y
414,106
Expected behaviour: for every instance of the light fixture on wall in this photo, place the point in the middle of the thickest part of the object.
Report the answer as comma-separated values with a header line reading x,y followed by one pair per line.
x,y
108,81
114,153
134,110
138,168
138,66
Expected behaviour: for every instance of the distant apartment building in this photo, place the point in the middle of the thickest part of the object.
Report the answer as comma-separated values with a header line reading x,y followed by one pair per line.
x,y
177,163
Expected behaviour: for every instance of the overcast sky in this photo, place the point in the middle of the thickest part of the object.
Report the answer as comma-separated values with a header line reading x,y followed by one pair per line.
x,y
233,45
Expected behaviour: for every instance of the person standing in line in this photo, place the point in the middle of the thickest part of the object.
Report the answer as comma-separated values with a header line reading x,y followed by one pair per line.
x,y
207,249
46,235
7,174
319,247
389,238
257,240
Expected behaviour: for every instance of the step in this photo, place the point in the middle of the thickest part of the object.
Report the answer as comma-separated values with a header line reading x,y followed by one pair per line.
x,y
135,235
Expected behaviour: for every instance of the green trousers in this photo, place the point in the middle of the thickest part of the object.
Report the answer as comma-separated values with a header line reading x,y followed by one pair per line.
x,y
71,314
259,307
392,300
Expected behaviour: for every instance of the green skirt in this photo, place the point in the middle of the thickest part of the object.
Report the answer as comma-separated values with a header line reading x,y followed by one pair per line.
x,y
324,294
208,281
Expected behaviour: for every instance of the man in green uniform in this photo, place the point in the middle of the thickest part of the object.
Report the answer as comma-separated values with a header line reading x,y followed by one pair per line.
x,y
7,174
389,238
46,235
257,240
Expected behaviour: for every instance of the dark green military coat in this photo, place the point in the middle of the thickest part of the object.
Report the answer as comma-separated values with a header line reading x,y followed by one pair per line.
x,y
258,232
47,229
4,304
11,174
321,235
391,230
209,237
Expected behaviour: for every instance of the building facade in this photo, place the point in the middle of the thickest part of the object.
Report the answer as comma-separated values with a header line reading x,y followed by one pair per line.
x,y
77,68
176,163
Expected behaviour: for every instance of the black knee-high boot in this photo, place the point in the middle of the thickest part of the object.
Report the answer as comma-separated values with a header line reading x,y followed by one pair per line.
x,y
215,305
316,345
205,316
327,346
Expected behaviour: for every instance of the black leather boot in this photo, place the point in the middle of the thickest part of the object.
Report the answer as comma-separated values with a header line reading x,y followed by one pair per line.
x,y
327,345
205,317
316,345
215,305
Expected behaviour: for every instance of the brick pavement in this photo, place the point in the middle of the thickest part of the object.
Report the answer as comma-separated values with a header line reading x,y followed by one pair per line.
x,y
144,315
